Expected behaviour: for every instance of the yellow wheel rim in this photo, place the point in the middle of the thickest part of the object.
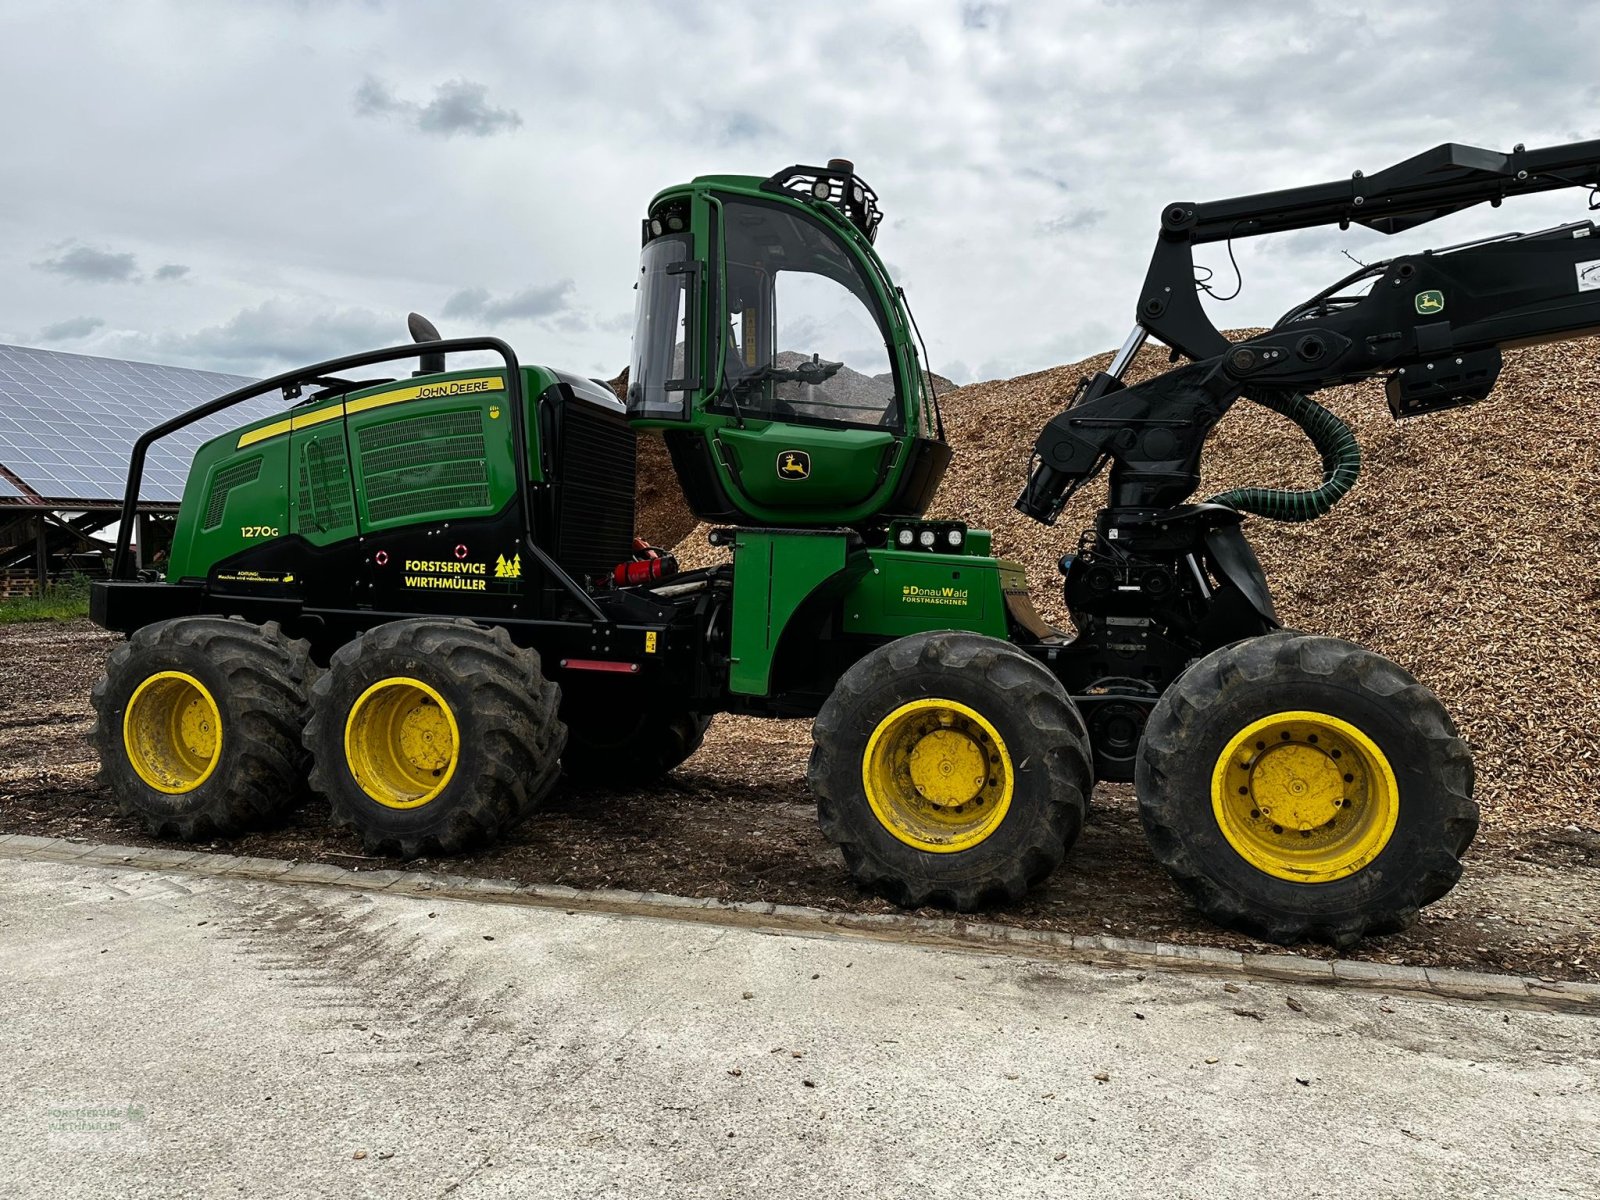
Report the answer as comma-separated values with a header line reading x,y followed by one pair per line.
x,y
401,742
1305,797
937,775
172,732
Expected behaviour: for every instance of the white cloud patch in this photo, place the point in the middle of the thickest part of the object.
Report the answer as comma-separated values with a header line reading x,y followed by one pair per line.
x,y
458,106
170,272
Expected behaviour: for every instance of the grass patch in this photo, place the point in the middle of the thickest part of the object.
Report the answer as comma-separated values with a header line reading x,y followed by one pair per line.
x,y
62,601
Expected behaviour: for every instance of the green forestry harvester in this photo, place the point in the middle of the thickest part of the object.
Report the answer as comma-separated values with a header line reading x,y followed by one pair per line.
x,y
423,595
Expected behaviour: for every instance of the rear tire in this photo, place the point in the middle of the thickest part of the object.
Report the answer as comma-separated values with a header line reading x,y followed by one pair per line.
x,y
429,736
198,724
916,726
1303,788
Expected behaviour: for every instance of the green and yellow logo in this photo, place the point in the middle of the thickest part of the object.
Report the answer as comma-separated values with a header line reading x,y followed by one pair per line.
x,y
946,596
1430,302
794,464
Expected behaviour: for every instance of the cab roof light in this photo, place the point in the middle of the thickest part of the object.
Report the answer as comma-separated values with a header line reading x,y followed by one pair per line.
x,y
836,184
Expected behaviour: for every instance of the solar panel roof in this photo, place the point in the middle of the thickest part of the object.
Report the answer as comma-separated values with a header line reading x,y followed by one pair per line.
x,y
68,422
7,491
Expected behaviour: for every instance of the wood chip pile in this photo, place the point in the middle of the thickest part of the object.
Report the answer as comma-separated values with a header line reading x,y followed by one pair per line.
x,y
1469,552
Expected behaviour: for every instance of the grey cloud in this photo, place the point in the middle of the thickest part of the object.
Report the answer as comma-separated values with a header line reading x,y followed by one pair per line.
x,y
278,334
747,127
529,304
982,16
458,106
374,99
71,329
171,271
1072,222
967,129
85,264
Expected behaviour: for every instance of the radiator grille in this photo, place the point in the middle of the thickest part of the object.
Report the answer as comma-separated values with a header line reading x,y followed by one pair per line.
x,y
596,470
223,482
426,464
326,499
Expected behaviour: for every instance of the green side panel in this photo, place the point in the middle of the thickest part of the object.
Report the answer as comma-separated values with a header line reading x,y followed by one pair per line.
x,y
774,572
910,592
783,466
323,502
233,499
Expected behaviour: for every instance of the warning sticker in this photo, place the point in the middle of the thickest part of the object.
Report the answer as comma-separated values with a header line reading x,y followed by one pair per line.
x,y
1589,275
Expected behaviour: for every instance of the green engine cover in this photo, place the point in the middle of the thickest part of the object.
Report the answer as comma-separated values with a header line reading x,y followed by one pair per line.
x,y
392,455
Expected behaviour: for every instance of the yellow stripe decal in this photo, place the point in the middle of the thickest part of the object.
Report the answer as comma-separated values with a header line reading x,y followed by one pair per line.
x,y
263,433
306,420
427,391
421,391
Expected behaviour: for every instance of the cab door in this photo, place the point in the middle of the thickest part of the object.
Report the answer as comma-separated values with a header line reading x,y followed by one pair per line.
x,y
809,380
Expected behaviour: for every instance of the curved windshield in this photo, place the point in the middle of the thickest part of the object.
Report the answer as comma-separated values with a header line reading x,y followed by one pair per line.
x,y
661,375
801,323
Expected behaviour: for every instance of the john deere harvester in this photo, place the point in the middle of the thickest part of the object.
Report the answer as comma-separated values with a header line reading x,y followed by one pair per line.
x,y
422,595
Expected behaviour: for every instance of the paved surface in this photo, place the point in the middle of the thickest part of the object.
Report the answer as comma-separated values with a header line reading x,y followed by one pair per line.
x,y
174,1034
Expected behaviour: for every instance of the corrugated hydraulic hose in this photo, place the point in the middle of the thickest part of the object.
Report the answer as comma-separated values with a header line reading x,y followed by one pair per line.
x,y
1341,464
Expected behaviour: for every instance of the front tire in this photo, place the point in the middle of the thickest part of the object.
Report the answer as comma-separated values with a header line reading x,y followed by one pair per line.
x,y
429,736
198,725
950,769
1303,788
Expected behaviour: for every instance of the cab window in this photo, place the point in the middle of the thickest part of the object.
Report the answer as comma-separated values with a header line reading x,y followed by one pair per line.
x,y
802,333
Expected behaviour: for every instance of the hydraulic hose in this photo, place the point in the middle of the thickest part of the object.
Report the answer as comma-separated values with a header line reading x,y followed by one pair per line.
x,y
1341,464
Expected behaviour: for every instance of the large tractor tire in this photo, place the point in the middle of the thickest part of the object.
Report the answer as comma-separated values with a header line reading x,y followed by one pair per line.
x,y
950,769
198,724
429,736
1302,788
615,741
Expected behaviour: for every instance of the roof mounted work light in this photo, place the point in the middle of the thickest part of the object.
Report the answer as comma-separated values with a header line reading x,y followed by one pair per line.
x,y
838,185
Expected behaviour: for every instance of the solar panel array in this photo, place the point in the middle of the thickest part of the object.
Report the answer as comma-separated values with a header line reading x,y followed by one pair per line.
x,y
6,490
68,422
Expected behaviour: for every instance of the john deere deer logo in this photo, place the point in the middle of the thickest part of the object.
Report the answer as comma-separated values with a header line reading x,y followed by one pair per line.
x,y
794,464
1430,301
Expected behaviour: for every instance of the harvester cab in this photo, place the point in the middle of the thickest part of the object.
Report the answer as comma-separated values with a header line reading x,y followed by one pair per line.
x,y
777,358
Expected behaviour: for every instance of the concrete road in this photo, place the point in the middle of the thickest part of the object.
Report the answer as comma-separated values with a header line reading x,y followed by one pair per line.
x,y
176,1035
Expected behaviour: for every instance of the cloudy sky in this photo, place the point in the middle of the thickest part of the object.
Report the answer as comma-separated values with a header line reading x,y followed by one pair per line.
x,y
247,186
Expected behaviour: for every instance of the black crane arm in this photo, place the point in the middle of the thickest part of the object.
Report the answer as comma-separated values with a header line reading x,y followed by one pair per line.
x,y
1434,322
1430,185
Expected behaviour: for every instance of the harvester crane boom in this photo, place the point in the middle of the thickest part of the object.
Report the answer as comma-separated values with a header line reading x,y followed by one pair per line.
x,y
1423,188
1435,321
